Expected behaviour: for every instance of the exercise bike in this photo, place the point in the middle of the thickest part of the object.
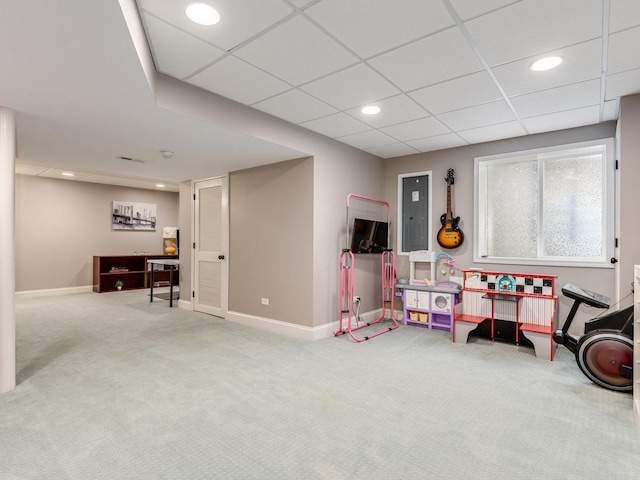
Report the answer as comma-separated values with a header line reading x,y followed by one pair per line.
x,y
605,351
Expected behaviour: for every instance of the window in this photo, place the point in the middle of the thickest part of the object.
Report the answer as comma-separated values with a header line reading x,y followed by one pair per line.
x,y
550,206
414,212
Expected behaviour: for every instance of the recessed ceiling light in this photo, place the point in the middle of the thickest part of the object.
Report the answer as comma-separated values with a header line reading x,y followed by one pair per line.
x,y
160,185
68,174
546,63
370,110
202,14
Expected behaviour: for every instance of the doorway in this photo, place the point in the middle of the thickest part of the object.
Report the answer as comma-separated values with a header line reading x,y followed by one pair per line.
x,y
211,246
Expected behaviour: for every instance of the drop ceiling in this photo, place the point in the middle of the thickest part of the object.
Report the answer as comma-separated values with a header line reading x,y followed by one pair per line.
x,y
445,73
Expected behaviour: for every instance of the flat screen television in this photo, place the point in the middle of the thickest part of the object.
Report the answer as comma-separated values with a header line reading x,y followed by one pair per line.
x,y
369,236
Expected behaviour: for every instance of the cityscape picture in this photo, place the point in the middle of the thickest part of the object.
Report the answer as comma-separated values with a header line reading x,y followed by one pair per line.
x,y
133,216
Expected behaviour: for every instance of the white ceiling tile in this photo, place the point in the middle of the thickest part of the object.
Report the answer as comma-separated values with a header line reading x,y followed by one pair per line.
x,y
239,21
459,93
623,14
295,106
626,83
301,3
624,53
369,139
393,150
297,52
440,57
610,110
301,62
568,97
532,27
25,169
493,132
130,182
478,116
440,142
425,127
563,120
168,45
235,79
368,27
58,173
336,125
581,62
354,86
393,110
467,9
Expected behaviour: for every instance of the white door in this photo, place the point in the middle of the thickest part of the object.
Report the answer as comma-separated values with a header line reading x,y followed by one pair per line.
x,y
211,246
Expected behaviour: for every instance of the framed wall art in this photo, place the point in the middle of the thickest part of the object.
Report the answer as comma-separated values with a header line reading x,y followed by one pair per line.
x,y
133,216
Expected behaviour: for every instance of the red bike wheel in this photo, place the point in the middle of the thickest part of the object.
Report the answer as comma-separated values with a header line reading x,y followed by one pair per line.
x,y
602,354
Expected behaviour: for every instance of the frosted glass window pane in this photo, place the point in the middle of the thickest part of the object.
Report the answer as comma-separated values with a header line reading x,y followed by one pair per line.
x,y
512,210
573,207
546,206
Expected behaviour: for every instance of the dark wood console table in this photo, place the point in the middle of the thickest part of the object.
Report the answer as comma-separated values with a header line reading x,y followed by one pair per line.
x,y
131,270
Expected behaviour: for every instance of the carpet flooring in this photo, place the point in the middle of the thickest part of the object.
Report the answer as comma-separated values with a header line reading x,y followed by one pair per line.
x,y
111,386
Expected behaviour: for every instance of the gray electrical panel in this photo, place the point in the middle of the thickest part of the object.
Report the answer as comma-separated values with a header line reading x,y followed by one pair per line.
x,y
415,213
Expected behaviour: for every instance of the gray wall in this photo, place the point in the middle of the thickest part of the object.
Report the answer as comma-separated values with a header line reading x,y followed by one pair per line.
x,y
62,224
601,280
287,229
338,170
271,241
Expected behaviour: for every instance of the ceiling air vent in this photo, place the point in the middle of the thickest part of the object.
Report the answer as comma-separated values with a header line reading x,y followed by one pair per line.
x,y
129,159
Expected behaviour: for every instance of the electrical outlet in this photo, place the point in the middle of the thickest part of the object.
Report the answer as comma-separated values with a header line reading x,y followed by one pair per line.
x,y
264,301
356,299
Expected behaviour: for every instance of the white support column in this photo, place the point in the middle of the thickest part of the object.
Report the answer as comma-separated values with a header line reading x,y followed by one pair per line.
x,y
7,250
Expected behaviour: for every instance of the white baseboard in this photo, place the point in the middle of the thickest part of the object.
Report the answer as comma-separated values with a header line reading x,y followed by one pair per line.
x,y
54,291
185,304
298,331
283,328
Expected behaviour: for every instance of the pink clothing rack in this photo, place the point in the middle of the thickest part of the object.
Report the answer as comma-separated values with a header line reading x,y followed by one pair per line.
x,y
347,265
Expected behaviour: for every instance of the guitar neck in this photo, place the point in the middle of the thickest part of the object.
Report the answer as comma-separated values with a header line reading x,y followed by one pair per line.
x,y
449,214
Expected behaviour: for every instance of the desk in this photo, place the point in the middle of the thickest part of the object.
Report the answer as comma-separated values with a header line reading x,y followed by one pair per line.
x,y
515,299
173,265
510,303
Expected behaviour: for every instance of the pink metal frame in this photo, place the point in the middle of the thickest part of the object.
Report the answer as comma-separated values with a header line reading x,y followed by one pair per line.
x,y
347,262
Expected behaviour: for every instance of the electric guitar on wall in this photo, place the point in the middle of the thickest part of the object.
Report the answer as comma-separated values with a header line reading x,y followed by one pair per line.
x,y
449,235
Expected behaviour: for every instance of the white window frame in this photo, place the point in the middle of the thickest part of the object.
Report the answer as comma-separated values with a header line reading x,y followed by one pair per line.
x,y
608,233
400,215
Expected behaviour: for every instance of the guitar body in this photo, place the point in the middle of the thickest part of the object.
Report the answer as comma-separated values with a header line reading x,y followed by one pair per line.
x,y
449,235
